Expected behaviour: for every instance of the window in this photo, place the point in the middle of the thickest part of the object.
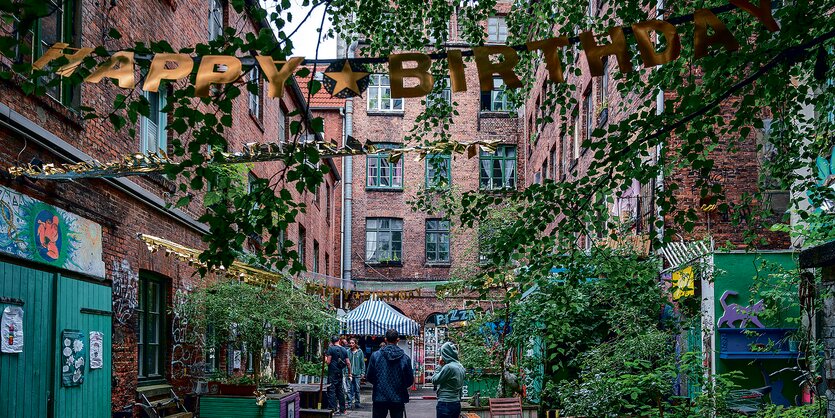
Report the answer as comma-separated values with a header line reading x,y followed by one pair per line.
x,y
302,243
328,202
498,169
383,240
588,114
576,148
255,97
441,94
437,241
554,164
544,170
496,30
327,264
282,125
58,26
383,174
152,330
592,9
315,256
379,95
211,351
317,193
438,171
216,12
495,100
153,128
603,91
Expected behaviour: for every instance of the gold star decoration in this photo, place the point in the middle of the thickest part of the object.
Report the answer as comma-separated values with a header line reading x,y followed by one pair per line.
x,y
349,81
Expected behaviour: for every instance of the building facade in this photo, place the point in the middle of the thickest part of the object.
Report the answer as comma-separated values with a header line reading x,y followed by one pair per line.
x,y
83,242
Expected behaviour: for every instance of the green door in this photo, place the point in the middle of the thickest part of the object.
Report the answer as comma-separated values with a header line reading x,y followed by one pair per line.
x,y
25,378
30,382
84,306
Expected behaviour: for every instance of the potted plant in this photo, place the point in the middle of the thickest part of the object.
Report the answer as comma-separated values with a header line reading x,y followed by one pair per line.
x,y
239,386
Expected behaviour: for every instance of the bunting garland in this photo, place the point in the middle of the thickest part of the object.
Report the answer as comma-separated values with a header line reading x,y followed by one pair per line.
x,y
360,295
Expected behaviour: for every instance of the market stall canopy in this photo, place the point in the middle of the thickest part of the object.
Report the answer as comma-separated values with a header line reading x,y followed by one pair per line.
x,y
375,317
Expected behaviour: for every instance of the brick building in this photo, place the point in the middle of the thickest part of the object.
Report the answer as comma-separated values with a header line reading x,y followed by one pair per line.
x,y
84,244
395,247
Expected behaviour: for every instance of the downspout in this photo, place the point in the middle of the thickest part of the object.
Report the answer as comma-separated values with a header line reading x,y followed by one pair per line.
x,y
347,190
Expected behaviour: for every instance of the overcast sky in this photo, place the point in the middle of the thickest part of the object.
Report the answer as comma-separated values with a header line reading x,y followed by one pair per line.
x,y
304,41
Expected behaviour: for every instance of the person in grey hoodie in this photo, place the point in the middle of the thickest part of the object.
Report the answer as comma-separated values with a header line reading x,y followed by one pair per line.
x,y
448,382
390,371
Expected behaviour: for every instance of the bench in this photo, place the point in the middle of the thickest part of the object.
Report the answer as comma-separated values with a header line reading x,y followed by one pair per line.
x,y
505,407
160,401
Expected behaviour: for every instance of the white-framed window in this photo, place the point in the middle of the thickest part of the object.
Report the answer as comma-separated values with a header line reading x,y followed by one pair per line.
x,y
282,125
379,95
495,100
152,129
496,29
255,97
215,19
440,94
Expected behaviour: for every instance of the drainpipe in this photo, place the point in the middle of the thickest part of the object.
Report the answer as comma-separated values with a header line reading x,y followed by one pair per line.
x,y
347,189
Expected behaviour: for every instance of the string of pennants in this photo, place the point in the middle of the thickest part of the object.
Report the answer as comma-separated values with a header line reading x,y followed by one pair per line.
x,y
332,291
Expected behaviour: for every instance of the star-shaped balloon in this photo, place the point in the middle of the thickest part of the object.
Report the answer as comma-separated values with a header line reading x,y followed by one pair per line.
x,y
345,79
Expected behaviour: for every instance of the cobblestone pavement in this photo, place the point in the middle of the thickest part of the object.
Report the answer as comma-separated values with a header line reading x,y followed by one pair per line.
x,y
418,407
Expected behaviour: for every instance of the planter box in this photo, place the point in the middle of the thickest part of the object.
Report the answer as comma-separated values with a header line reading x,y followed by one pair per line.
x,y
277,406
237,390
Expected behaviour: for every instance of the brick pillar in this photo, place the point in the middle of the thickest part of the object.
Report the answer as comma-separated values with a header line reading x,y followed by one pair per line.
x,y
828,287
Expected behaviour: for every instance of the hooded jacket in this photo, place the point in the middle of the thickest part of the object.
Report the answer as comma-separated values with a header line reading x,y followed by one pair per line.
x,y
390,371
449,379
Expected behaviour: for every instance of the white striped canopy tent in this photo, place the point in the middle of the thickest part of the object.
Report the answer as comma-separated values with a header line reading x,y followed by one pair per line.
x,y
375,317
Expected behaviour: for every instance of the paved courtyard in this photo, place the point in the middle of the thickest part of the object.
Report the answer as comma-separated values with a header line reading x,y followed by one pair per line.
x,y
418,407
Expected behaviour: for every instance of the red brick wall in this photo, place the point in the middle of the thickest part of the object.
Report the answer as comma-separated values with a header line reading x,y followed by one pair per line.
x,y
123,216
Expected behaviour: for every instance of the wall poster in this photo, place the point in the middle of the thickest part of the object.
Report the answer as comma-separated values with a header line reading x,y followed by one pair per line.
x,y
73,353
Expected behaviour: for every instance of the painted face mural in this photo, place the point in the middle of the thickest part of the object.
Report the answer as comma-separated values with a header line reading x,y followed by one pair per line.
x,y
48,235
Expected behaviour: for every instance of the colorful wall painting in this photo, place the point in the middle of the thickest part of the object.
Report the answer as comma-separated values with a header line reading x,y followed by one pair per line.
x,y
36,231
684,283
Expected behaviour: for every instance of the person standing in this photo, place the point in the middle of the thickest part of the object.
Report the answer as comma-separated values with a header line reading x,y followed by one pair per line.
x,y
337,359
448,382
357,358
346,383
390,371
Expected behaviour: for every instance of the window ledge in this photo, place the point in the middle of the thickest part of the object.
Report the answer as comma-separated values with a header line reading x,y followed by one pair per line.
x,y
384,189
497,115
385,263
394,113
438,264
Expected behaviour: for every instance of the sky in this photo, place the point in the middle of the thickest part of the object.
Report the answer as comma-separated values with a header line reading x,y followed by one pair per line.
x,y
304,41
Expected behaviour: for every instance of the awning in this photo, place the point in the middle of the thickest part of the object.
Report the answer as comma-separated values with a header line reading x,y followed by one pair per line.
x,y
375,317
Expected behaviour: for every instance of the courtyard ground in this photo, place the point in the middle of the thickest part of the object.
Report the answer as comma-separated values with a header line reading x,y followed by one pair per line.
x,y
418,407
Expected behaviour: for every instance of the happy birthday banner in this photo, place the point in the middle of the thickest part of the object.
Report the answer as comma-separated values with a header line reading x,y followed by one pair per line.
x,y
349,77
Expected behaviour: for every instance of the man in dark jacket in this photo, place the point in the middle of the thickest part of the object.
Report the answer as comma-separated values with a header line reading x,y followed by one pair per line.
x,y
390,371
337,360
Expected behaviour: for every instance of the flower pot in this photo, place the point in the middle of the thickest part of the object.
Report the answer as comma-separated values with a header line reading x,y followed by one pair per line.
x,y
237,390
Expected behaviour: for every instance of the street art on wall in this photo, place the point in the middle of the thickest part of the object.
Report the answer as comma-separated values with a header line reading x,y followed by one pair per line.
x,y
735,312
38,232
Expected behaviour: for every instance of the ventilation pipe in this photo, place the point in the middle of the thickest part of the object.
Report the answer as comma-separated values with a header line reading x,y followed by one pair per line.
x,y
347,193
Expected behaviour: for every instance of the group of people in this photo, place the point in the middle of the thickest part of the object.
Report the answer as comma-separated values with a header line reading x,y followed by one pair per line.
x,y
390,371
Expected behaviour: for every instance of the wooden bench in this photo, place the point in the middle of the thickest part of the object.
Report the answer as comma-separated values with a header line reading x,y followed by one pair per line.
x,y
160,401
505,407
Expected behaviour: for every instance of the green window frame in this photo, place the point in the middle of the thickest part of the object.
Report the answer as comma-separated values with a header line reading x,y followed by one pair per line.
x,y
496,99
58,26
438,171
497,170
437,241
383,240
381,173
152,329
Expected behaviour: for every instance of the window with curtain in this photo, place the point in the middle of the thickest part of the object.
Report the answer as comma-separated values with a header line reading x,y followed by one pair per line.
x,y
382,173
438,169
498,169
151,327
383,240
152,129
379,95
495,100
215,19
496,29
437,241
254,89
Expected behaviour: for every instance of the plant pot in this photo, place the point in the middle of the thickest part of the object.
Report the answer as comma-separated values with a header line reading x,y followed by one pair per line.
x,y
237,390
213,387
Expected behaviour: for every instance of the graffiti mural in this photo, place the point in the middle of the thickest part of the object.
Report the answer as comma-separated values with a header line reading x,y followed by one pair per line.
x,y
125,291
42,233
183,353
